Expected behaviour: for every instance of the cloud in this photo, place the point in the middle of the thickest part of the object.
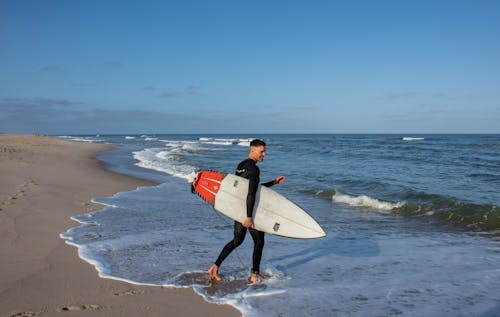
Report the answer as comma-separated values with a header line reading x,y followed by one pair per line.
x,y
188,91
306,108
53,116
109,65
399,96
20,116
192,90
169,94
431,114
36,102
407,95
58,102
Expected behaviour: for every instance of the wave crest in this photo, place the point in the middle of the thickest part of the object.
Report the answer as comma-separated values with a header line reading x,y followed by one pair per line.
x,y
366,202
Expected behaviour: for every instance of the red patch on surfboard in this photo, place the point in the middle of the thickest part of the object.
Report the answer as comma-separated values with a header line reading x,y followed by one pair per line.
x,y
207,185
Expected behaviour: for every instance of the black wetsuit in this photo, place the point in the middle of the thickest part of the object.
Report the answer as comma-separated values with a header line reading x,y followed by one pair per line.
x,y
247,169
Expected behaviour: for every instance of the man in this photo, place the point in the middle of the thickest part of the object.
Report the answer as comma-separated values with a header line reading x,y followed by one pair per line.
x,y
248,169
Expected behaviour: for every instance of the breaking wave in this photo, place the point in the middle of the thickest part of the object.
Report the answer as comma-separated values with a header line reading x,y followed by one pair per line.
x,y
476,217
366,201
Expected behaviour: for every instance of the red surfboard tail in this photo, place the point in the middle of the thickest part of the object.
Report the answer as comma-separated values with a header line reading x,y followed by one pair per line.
x,y
207,185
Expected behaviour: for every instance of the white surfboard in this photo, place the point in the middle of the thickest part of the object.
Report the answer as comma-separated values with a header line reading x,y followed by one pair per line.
x,y
273,213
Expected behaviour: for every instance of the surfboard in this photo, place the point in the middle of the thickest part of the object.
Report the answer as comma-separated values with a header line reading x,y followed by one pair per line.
x,y
273,213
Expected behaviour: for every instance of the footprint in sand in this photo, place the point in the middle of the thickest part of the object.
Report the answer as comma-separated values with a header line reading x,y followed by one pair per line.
x,y
129,292
79,308
20,192
26,314
8,201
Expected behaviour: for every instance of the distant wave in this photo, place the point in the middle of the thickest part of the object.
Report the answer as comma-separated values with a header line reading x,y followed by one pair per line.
x,y
222,141
407,138
89,139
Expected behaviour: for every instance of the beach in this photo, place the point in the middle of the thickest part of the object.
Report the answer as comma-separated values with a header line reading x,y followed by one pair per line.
x,y
108,226
44,182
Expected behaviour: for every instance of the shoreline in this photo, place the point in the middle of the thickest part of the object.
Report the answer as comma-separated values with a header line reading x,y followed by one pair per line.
x,y
44,182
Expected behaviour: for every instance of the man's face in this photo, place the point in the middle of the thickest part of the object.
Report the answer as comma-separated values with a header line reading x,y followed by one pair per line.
x,y
257,153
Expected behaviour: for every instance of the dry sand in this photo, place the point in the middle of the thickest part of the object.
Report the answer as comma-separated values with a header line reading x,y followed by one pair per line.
x,y
43,182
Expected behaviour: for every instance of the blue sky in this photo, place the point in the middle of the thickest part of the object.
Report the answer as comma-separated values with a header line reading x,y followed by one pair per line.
x,y
237,66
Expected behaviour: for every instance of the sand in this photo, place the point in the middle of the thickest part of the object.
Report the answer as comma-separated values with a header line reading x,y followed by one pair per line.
x,y
43,182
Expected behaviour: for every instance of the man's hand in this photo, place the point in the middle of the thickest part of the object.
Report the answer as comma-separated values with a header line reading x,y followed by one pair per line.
x,y
279,179
248,222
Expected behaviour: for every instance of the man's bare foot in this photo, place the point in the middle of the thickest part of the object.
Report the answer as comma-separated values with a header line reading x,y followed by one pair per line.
x,y
213,271
255,278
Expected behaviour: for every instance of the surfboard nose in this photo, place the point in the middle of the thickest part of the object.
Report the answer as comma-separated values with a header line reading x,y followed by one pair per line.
x,y
313,233
322,233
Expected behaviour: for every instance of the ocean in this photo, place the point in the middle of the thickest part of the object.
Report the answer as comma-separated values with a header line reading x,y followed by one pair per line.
x,y
412,223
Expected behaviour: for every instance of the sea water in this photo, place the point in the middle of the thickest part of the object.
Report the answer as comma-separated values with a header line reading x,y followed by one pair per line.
x,y
412,223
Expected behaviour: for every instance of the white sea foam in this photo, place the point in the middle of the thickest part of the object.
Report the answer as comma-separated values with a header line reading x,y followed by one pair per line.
x,y
163,161
244,142
366,202
175,143
225,141
247,299
219,142
206,143
406,138
81,139
130,137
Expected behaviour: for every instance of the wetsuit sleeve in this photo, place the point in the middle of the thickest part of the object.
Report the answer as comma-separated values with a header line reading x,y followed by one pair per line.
x,y
268,184
253,185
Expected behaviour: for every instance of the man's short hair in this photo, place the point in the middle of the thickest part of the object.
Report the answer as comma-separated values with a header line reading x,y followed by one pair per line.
x,y
257,142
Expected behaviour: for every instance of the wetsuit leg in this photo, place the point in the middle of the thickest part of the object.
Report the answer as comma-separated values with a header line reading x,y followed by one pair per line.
x,y
239,236
258,246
